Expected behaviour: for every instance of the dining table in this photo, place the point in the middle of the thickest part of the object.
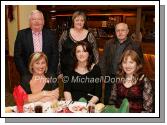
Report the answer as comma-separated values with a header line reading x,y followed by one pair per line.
x,y
59,106
51,107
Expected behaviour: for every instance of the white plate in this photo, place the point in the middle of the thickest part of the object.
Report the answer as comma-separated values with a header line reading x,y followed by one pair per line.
x,y
28,108
78,107
46,107
58,109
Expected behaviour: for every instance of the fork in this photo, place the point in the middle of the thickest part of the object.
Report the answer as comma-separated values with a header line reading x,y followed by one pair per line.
x,y
71,102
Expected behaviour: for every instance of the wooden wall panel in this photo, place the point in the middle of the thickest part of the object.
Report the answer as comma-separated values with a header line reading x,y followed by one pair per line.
x,y
14,76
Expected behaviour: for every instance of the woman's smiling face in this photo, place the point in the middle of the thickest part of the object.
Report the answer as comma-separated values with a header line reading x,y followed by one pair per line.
x,y
39,66
129,65
79,22
81,54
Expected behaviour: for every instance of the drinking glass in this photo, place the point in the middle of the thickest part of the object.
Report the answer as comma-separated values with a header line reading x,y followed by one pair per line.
x,y
38,107
91,108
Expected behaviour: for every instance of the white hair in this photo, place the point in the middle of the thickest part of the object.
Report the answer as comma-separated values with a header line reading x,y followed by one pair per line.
x,y
35,11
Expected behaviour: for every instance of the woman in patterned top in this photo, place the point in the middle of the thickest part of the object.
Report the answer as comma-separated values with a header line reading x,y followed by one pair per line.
x,y
132,84
69,38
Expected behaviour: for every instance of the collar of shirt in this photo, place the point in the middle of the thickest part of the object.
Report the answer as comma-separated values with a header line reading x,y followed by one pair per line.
x,y
36,33
125,42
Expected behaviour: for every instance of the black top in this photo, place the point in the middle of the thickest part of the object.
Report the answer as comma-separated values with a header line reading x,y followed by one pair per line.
x,y
66,57
81,85
66,44
48,86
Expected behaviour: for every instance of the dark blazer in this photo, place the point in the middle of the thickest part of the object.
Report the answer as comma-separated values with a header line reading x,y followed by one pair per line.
x,y
24,48
109,50
106,62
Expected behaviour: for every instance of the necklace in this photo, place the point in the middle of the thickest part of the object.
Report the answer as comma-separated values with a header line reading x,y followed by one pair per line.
x,y
128,82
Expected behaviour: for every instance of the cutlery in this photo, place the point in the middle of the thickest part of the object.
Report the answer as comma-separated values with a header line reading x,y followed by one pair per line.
x,y
90,94
71,102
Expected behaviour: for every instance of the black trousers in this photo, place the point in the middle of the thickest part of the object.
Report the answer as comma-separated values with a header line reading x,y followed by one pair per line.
x,y
108,88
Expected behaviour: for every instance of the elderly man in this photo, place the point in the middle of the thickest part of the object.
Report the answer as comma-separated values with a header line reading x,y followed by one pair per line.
x,y
113,51
35,39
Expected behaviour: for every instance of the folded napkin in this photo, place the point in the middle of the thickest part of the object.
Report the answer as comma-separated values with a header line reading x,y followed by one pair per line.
x,y
20,96
82,99
124,108
110,109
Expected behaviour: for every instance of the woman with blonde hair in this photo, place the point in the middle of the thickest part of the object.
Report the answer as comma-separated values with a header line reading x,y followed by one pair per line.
x,y
39,87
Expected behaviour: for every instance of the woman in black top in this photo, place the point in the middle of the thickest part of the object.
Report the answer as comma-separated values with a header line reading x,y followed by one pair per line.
x,y
38,86
85,78
70,37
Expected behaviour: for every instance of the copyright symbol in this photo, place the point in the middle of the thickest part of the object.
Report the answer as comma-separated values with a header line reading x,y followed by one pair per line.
x,y
65,79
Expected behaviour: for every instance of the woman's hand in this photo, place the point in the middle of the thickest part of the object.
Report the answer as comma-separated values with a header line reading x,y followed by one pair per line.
x,y
67,96
47,93
50,95
60,76
44,93
90,103
56,93
94,99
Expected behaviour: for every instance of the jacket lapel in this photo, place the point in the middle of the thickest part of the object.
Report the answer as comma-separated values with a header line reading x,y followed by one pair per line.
x,y
30,40
44,40
113,48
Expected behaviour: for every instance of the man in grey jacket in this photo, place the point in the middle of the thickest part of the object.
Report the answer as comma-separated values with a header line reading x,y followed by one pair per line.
x,y
112,53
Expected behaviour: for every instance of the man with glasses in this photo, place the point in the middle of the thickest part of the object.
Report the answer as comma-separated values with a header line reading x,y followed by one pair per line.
x,y
112,53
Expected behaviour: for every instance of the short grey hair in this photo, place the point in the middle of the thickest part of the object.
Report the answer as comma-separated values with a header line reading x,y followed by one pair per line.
x,y
121,23
35,11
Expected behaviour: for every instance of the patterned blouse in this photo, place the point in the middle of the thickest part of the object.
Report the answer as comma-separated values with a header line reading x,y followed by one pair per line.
x,y
66,44
140,95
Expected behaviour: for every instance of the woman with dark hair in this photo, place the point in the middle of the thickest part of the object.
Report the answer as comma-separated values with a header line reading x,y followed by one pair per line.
x,y
85,78
69,38
131,83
